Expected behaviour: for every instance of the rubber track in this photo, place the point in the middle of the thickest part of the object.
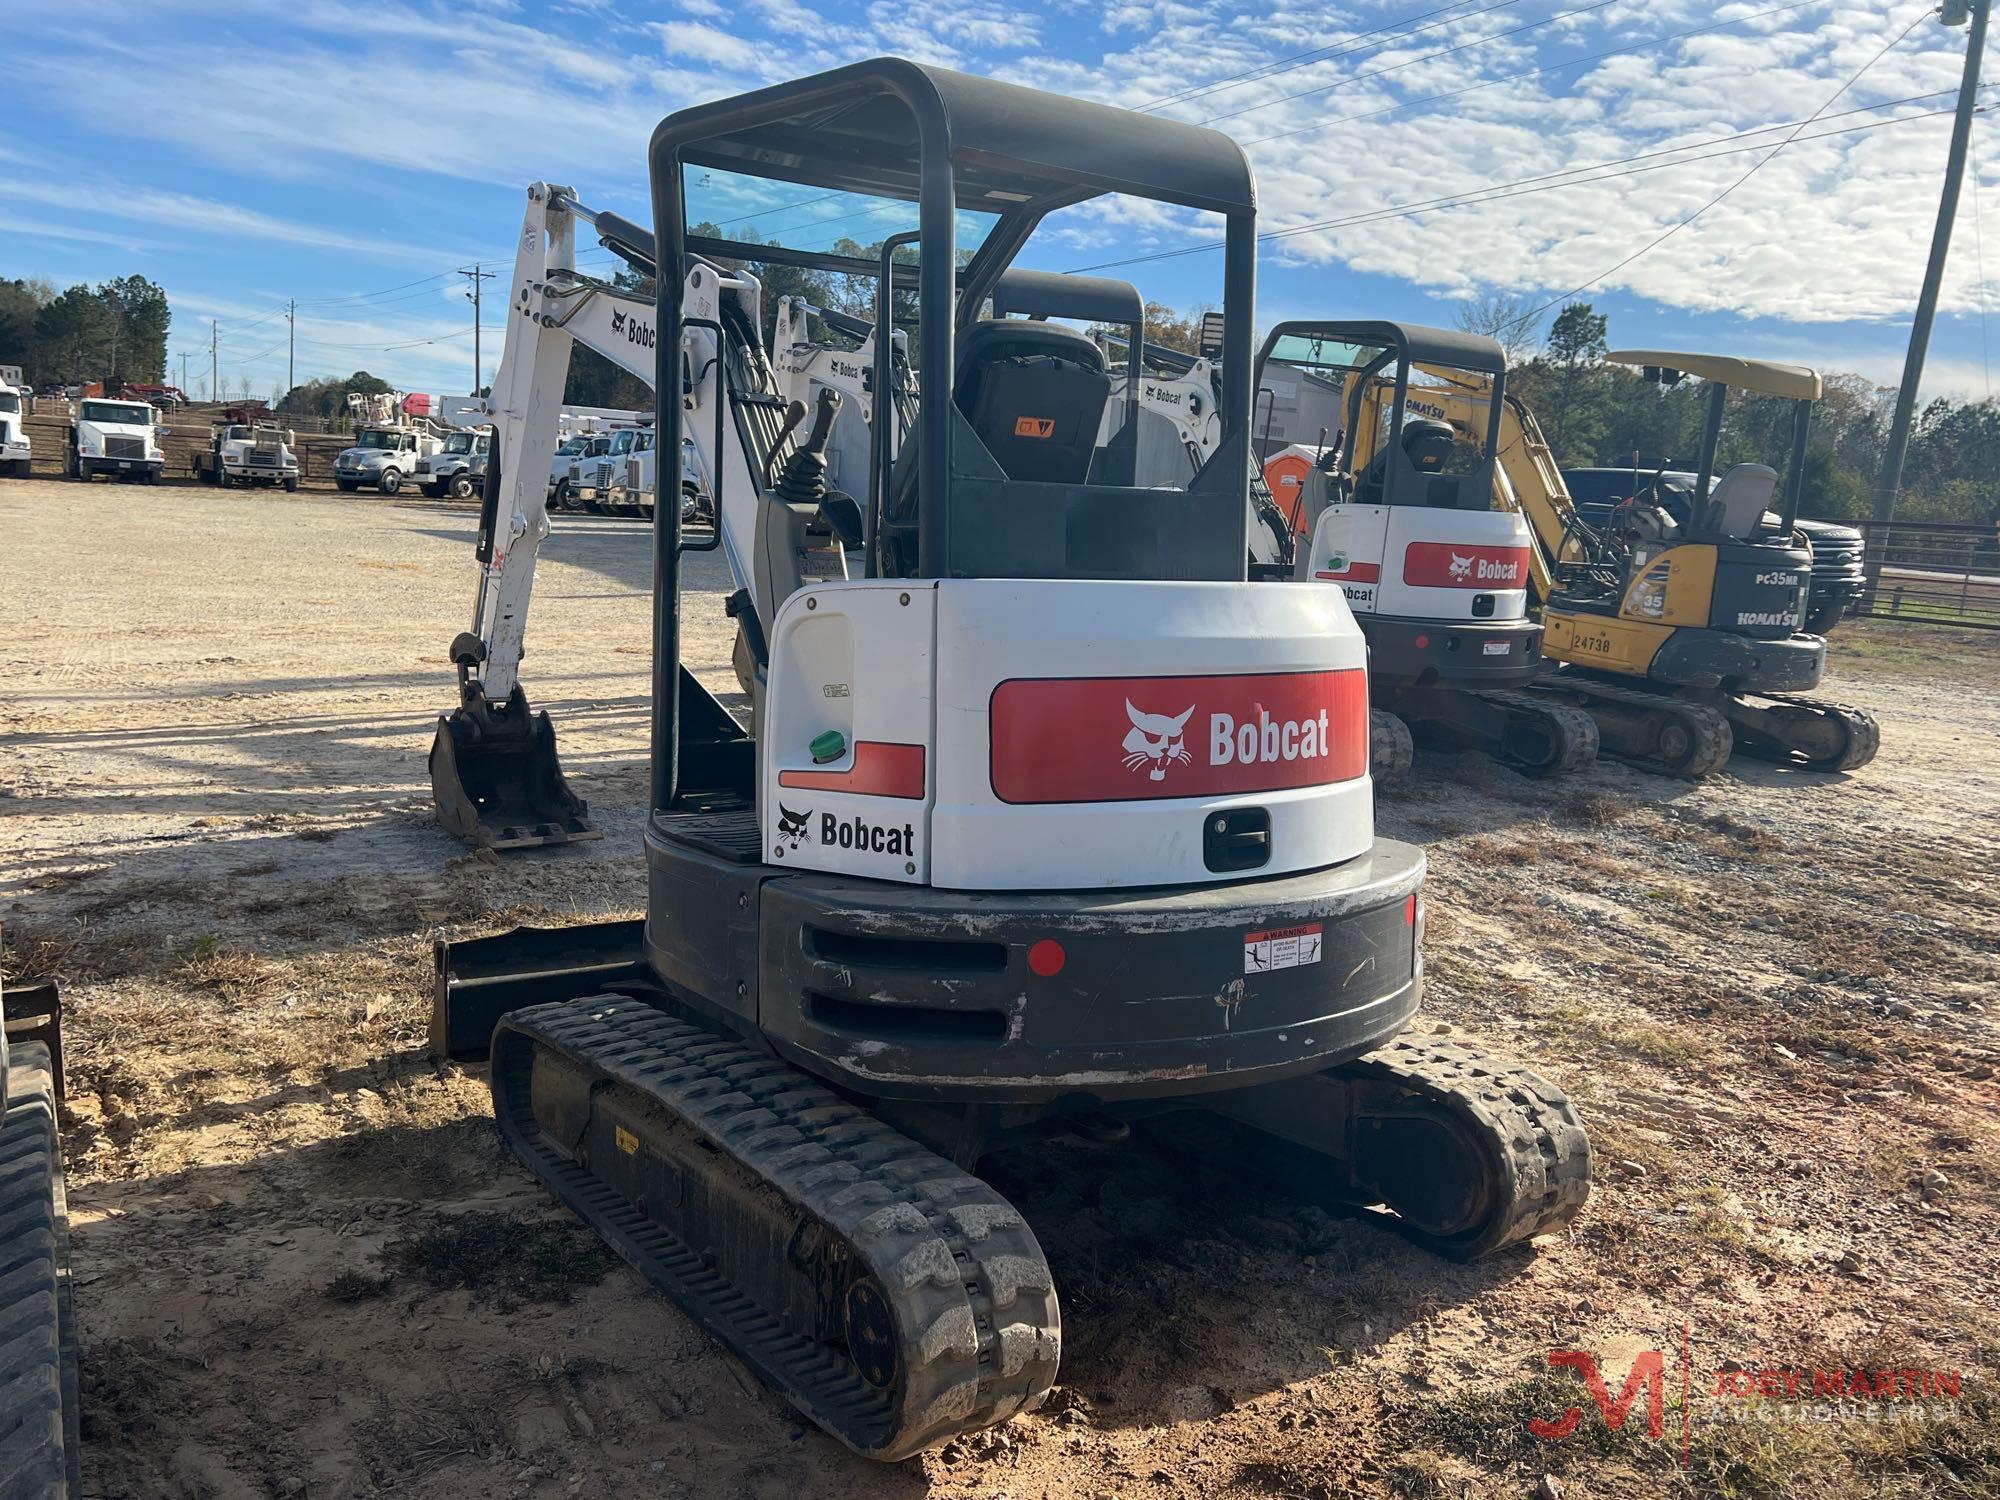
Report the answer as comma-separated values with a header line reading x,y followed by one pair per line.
x,y
1714,741
969,1289
1864,735
39,1448
1391,750
1576,732
1528,1123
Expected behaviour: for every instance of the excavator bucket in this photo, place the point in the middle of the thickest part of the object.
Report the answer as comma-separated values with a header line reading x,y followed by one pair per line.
x,y
496,780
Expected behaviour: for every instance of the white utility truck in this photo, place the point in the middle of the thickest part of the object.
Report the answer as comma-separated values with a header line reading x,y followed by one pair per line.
x,y
116,438
458,468
15,449
243,450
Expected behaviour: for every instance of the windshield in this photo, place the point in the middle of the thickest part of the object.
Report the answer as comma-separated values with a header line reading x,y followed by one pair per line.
x,y
458,442
379,440
573,446
766,211
118,411
622,443
9,402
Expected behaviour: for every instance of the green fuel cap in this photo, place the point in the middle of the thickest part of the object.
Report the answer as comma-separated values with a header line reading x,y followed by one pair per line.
x,y
829,746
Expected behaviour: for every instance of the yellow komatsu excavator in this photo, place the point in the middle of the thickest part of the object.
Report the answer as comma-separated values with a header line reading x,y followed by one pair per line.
x,y
1683,638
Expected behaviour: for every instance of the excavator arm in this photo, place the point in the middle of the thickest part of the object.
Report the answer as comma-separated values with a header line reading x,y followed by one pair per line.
x,y
495,775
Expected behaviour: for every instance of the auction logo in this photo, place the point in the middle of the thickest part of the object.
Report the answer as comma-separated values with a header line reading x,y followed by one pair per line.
x,y
1772,1395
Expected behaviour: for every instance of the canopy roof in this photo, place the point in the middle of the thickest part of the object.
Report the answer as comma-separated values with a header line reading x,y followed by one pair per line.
x,y
1761,376
860,129
1420,345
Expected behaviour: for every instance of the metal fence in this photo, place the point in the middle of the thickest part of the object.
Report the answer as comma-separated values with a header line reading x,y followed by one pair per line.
x,y
1932,572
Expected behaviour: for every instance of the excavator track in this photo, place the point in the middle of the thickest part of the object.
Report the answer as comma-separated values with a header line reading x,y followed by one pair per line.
x,y
1805,731
1655,731
1462,1153
1519,1133
893,1298
40,1450
1391,750
1543,738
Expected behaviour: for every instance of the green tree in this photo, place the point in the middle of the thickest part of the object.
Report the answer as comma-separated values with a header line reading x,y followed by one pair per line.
x,y
1575,348
73,335
138,314
20,301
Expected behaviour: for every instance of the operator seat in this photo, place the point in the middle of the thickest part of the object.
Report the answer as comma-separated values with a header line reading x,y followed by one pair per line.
x,y
1034,393
1426,442
1737,503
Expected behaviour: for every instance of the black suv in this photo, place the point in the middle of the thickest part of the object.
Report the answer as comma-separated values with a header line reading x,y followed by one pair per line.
x,y
1837,579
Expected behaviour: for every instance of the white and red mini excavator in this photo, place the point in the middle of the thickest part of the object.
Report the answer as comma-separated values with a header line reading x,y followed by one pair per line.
x,y
1053,820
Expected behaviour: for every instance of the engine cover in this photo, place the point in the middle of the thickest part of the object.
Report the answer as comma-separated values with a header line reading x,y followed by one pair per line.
x,y
1002,734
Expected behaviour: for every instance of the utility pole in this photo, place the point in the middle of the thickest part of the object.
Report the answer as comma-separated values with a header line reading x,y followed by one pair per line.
x,y
1952,13
214,386
184,372
291,344
476,275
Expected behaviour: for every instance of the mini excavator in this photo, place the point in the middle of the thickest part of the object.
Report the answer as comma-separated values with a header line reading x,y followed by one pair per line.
x,y
1053,820
1684,639
1436,575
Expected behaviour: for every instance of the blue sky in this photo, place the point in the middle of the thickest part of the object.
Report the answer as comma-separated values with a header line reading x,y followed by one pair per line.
x,y
352,154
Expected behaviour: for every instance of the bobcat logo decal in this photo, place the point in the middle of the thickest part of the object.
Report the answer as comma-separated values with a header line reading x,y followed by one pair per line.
x,y
617,320
1155,740
1459,567
792,825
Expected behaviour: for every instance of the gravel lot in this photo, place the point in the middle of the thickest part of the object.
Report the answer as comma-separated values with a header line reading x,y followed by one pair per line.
x,y
305,1268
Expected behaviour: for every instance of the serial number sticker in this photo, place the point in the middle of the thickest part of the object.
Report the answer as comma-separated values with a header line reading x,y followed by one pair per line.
x,y
627,1142
1498,648
1281,948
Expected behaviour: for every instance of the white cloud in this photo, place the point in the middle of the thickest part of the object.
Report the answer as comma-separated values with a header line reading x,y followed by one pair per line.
x,y
123,201
690,41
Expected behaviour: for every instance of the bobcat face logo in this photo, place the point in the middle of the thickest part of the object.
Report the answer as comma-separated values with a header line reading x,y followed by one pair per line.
x,y
1155,741
792,825
1459,567
617,321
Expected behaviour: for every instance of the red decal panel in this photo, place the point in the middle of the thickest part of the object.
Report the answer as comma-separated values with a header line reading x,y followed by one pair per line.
x,y
880,770
1125,739
1440,565
1354,572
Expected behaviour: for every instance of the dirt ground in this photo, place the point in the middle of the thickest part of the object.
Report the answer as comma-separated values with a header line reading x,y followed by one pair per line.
x,y
305,1268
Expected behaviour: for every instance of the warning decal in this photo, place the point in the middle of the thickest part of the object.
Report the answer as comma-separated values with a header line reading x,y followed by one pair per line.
x,y
1281,948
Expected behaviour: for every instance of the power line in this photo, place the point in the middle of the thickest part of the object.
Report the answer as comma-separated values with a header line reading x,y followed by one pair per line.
x,y
1541,183
1754,168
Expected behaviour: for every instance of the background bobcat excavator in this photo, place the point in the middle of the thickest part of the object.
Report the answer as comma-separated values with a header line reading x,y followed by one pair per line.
x,y
1684,641
1053,820
1437,577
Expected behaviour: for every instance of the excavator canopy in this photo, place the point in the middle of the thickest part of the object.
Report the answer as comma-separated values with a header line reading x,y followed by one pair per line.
x,y
1761,377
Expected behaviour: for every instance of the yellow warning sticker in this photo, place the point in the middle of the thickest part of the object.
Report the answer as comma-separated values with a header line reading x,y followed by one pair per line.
x,y
627,1142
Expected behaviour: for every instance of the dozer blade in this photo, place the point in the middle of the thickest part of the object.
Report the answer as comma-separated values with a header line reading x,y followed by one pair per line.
x,y
893,1298
476,981
496,780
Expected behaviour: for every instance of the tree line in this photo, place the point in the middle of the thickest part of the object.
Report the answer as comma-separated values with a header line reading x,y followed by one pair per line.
x,y
1595,413
115,331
